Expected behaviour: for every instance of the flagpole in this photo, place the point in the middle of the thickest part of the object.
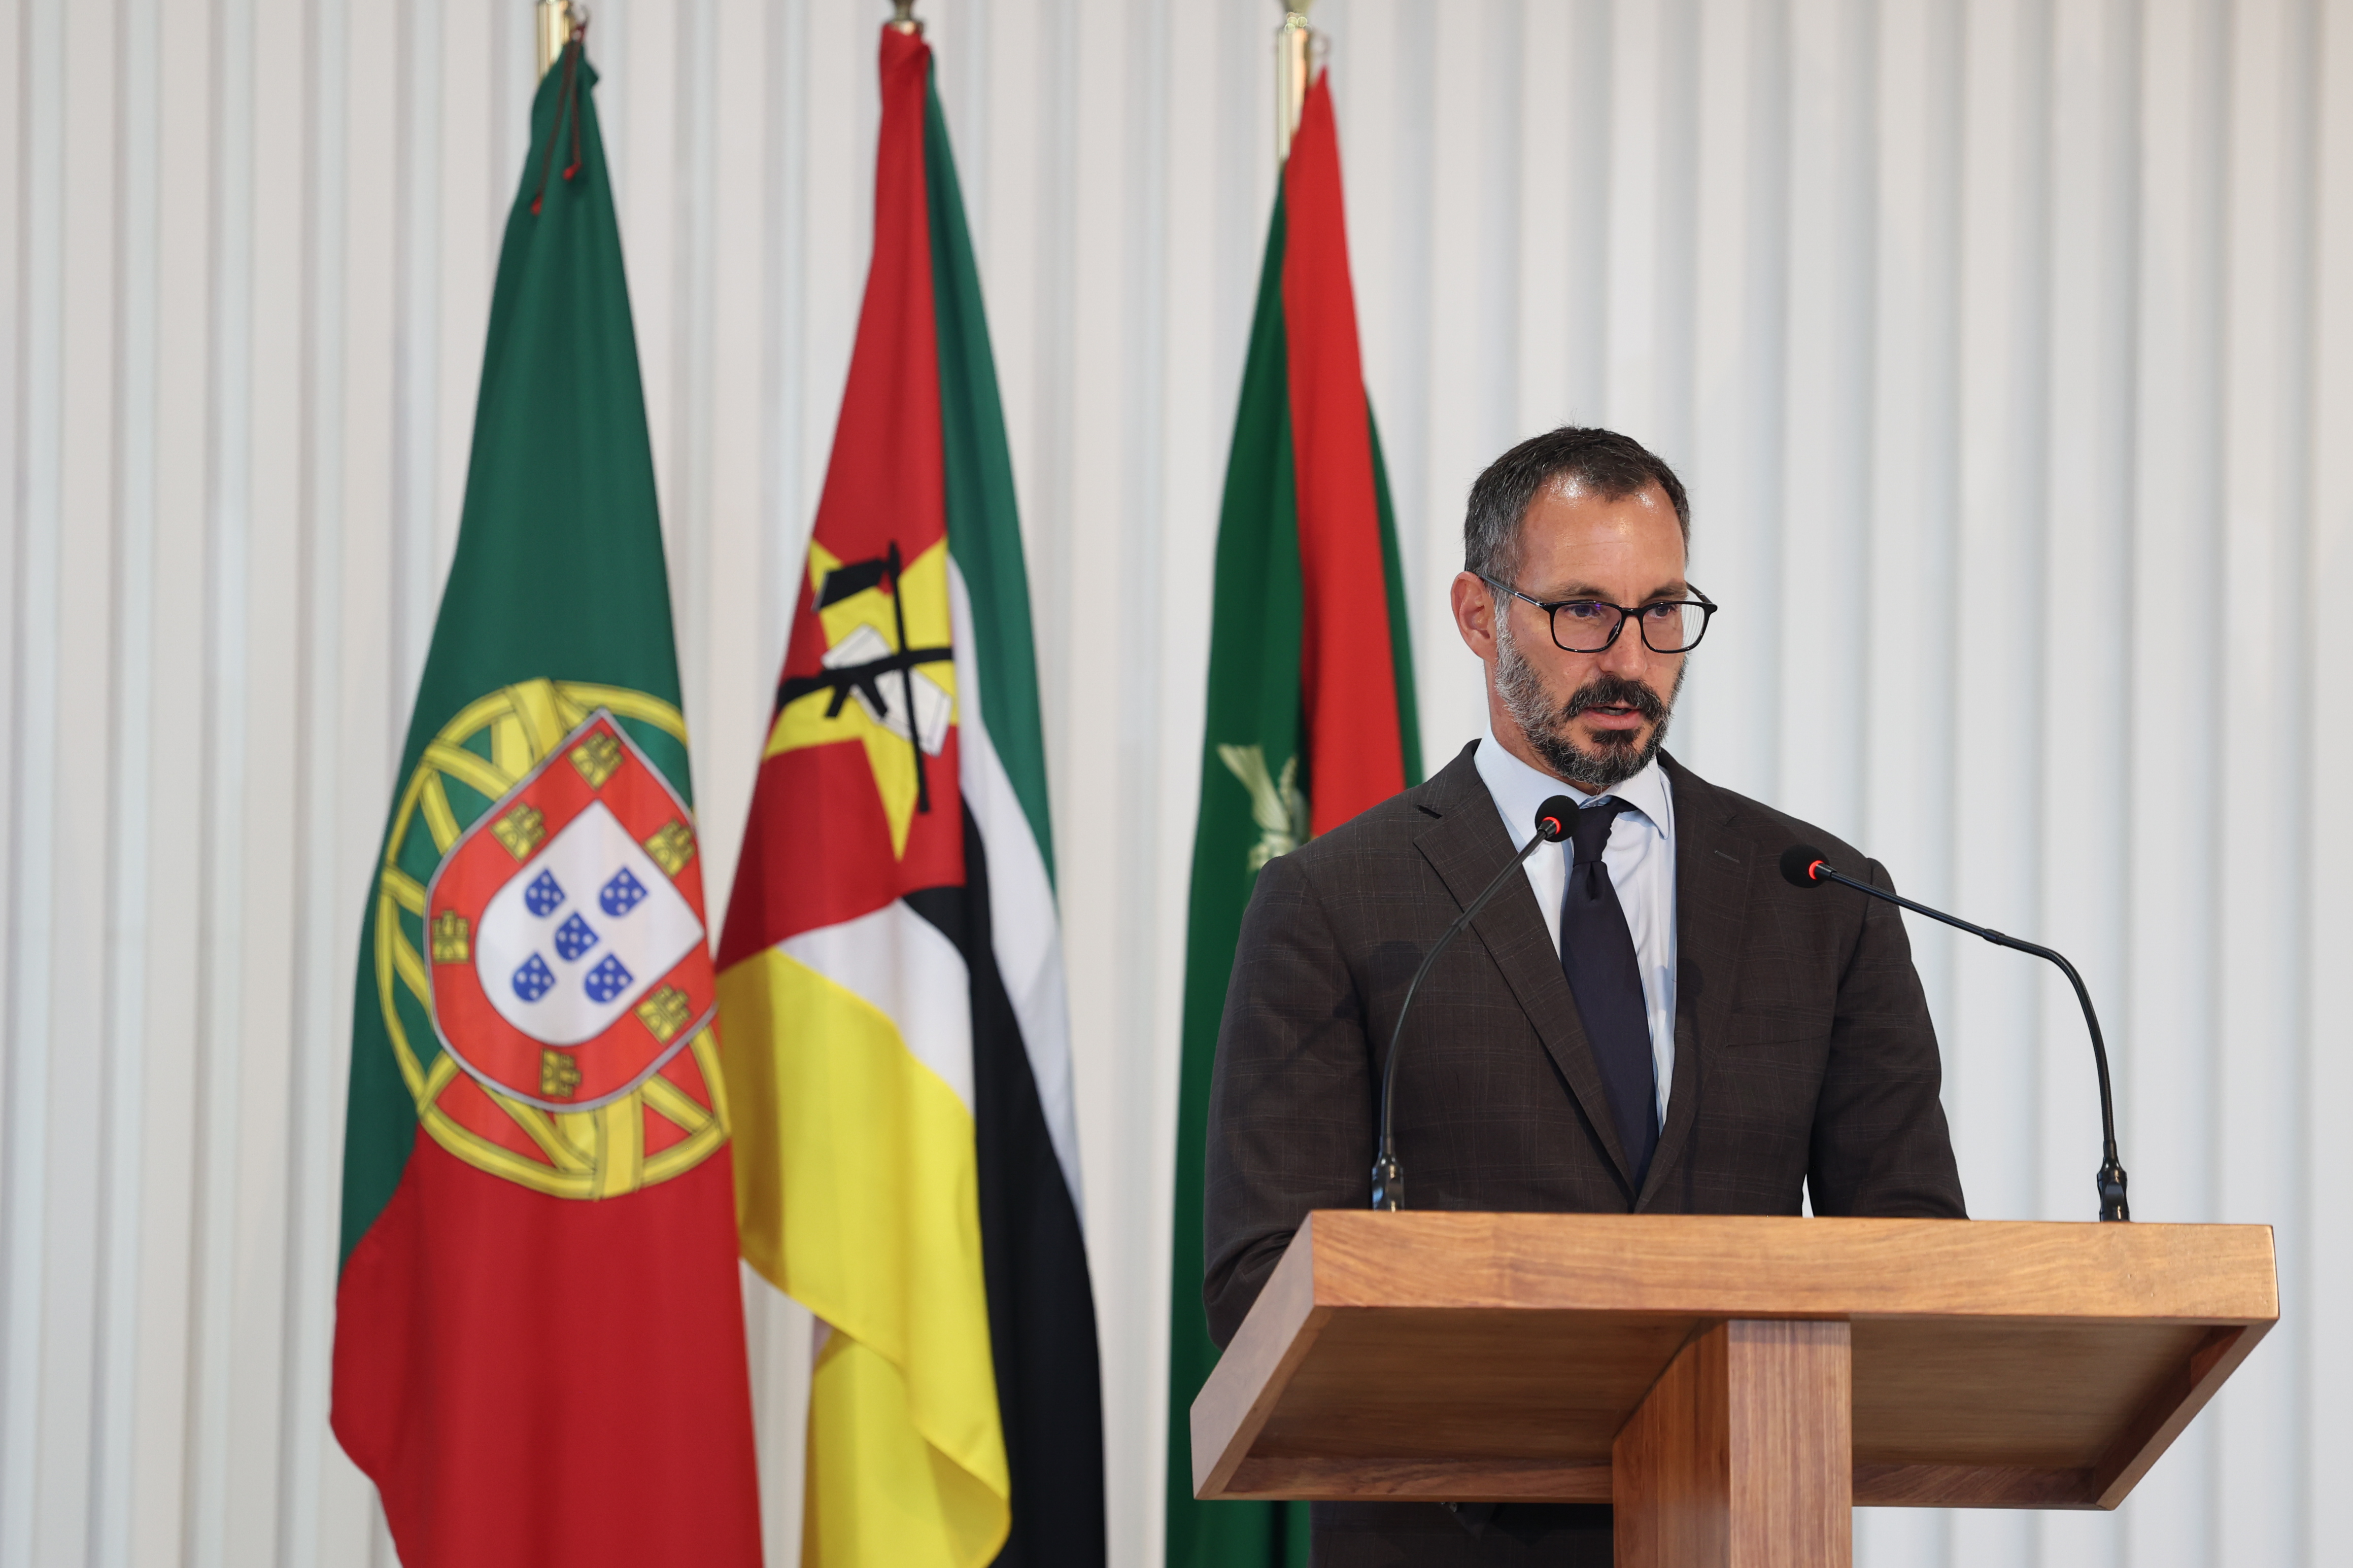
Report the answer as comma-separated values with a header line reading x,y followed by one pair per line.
x,y
1292,69
902,20
555,18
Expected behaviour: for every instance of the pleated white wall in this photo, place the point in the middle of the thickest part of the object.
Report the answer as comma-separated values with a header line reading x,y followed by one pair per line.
x,y
2007,345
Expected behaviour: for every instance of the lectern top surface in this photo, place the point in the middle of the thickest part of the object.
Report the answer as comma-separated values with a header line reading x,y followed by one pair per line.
x,y
1469,1354
1774,1267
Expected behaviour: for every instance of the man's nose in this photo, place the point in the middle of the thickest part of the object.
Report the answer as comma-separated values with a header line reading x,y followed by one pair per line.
x,y
1628,655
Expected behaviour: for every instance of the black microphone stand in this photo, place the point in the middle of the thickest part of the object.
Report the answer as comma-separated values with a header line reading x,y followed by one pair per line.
x,y
1553,818
1805,867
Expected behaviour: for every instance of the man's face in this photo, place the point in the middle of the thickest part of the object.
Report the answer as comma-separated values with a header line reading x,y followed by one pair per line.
x,y
1592,719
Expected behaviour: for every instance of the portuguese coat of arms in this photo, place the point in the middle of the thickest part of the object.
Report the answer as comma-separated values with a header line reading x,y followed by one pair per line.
x,y
542,919
568,959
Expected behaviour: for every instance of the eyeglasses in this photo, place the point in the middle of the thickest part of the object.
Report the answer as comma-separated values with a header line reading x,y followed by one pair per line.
x,y
1589,626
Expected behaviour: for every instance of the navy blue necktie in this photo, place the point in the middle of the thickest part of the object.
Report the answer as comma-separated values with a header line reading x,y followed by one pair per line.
x,y
1597,955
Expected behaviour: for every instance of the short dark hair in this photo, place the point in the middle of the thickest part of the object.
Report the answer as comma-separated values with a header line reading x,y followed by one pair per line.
x,y
1616,465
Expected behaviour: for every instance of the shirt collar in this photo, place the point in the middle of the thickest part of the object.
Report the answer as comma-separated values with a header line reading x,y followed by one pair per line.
x,y
1519,789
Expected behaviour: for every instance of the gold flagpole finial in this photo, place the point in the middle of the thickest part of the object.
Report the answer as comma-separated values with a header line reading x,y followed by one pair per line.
x,y
1294,72
556,19
902,16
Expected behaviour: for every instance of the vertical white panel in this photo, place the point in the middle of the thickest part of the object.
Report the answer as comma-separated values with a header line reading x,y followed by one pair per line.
x,y
309,1508
1132,1346
64,1265
269,589
2000,629
113,1393
2172,1009
1473,166
1906,698
2020,322
1915,430
1387,78
2086,559
1907,720
731,691
2263,660
1728,724
222,779
2325,1434
2086,784
163,1479
36,529
469,221
1638,39
359,640
684,471
1826,471
776,1328
1539,55
2087,564
15,192
1113,535
415,579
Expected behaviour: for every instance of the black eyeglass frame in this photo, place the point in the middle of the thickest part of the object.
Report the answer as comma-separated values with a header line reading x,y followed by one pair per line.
x,y
1699,600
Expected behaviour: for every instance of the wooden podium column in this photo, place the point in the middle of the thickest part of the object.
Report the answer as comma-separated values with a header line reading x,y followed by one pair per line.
x,y
1742,1455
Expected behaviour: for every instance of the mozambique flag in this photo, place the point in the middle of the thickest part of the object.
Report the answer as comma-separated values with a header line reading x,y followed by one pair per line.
x,y
539,1333
892,972
1311,714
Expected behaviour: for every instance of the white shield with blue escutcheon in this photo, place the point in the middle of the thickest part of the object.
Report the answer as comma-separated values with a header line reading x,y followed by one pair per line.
x,y
581,932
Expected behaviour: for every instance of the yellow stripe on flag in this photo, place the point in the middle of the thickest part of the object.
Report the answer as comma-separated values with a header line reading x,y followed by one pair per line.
x,y
877,1493
857,1194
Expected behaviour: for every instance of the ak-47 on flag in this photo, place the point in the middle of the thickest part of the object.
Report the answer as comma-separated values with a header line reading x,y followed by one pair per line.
x,y
890,971
539,1336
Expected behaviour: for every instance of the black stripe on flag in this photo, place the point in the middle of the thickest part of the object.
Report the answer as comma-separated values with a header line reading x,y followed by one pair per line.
x,y
1041,1314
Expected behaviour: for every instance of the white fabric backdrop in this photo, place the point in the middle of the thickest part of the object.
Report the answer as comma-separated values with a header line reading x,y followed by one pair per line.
x,y
2007,346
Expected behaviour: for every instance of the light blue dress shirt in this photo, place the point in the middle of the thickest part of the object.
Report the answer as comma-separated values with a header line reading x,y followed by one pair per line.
x,y
1640,855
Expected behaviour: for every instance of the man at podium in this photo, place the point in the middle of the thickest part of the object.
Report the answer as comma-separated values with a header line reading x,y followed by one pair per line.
x,y
1658,1023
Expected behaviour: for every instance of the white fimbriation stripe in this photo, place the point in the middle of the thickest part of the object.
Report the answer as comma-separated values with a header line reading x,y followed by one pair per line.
x,y
905,968
2027,322
1024,930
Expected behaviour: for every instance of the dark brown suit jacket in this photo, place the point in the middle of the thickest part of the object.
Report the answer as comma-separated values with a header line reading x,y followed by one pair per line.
x,y
1804,1056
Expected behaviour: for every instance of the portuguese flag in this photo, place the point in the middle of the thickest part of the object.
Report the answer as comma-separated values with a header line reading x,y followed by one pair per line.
x,y
892,972
539,1334
1311,715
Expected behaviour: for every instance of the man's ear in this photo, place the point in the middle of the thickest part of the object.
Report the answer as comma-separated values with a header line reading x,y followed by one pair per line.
x,y
1475,614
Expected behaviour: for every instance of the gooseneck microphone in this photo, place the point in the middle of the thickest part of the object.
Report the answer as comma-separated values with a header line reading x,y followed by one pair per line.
x,y
1553,820
1803,865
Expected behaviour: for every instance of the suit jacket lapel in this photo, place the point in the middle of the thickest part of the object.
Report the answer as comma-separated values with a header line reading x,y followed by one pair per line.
x,y
1712,871
1467,846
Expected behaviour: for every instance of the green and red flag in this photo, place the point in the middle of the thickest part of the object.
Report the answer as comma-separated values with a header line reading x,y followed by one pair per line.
x,y
898,1038
1311,712
539,1335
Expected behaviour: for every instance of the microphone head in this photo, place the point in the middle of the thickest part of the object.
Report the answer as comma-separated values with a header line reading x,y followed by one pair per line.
x,y
1799,864
1555,818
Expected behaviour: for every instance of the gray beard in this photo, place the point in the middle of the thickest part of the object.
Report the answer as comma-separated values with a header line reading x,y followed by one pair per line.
x,y
1546,727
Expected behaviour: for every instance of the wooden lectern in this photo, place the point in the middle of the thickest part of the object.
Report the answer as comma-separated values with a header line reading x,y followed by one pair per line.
x,y
1734,1386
